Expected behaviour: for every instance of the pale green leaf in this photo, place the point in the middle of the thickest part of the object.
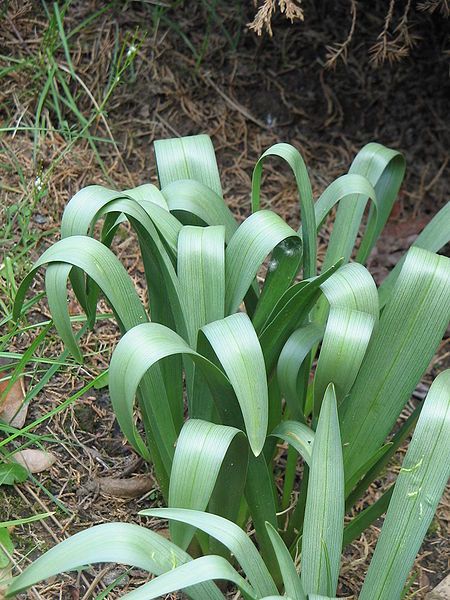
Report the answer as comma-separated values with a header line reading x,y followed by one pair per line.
x,y
324,513
291,580
199,457
409,331
237,347
231,536
189,157
418,489
122,543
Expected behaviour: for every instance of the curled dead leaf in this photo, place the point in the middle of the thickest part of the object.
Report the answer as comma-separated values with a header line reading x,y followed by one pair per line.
x,y
35,461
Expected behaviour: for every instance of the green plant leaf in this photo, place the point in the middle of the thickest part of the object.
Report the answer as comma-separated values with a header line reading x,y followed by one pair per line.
x,y
194,199
293,367
201,271
237,347
385,169
194,573
122,543
199,457
289,313
281,272
297,435
231,536
253,241
324,513
189,157
6,548
409,331
11,473
294,159
351,191
344,344
352,287
417,491
101,265
291,580
139,350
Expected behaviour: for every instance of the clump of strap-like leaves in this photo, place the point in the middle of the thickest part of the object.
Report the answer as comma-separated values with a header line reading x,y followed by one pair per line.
x,y
241,357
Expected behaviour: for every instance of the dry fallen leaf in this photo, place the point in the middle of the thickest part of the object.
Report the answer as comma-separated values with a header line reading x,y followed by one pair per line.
x,y
125,488
35,461
12,410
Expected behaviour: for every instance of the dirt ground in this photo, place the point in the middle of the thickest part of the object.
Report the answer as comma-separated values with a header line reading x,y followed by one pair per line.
x,y
196,69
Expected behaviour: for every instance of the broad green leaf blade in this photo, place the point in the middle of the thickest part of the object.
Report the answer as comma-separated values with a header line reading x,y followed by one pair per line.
x,y
194,573
102,266
86,207
138,351
385,169
201,271
417,491
401,348
199,456
237,347
366,517
353,287
195,198
123,543
281,272
383,456
164,290
297,435
93,202
253,241
295,160
147,193
289,313
347,335
324,513
434,237
261,498
352,296
190,157
291,580
108,273
56,277
351,191
294,366
231,536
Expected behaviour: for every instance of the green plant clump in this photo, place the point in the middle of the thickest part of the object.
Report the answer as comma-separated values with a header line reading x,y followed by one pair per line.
x,y
323,362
